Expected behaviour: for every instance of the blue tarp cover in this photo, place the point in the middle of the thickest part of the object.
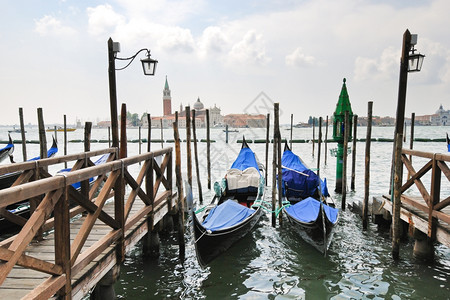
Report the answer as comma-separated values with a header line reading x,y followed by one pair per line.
x,y
245,159
226,215
50,153
308,210
304,186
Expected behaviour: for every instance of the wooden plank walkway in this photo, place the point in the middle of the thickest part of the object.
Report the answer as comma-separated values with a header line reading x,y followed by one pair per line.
x,y
414,216
21,281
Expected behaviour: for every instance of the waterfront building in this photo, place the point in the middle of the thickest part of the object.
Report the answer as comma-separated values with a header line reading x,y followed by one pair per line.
x,y
441,117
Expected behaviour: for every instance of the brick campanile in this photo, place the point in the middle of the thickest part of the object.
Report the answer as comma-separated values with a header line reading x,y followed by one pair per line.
x,y
167,100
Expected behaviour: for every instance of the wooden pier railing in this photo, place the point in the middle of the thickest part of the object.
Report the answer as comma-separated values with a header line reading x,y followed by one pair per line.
x,y
56,202
432,202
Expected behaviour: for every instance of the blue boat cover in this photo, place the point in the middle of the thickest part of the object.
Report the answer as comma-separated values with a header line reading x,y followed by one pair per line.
x,y
308,210
226,215
298,184
99,161
245,159
50,153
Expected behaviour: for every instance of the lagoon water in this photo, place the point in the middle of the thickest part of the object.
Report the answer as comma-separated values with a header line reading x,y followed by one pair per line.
x,y
274,263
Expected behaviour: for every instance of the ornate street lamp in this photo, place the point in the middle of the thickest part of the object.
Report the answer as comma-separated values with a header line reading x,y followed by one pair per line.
x,y
415,60
148,66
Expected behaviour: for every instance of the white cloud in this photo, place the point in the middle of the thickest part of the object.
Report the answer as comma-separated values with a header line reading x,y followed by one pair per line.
x,y
299,59
48,25
213,41
103,19
250,50
385,67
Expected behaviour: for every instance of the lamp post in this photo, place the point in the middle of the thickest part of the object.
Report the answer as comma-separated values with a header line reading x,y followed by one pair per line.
x,y
410,62
148,66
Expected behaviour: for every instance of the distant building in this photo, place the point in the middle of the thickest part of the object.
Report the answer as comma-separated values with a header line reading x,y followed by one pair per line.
x,y
441,117
167,100
245,120
168,118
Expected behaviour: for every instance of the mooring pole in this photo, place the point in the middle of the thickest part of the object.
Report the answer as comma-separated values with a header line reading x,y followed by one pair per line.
x,y
208,149
22,133
411,139
365,208
199,183
42,137
319,145
355,125
274,173
326,141
179,181
226,133
162,133
149,133
87,147
267,146
65,139
397,197
313,135
188,144
292,121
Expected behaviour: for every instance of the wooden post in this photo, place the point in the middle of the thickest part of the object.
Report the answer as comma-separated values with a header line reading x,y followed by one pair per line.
x,y
113,93
162,134
355,122
274,172
22,133
109,136
226,133
411,138
62,241
365,208
326,141
55,130
199,183
292,121
319,145
188,144
398,166
87,147
344,160
149,134
267,146
140,141
65,139
208,149
119,187
178,175
42,137
314,135
278,159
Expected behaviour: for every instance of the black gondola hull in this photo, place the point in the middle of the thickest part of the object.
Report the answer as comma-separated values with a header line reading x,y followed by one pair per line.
x,y
209,245
313,232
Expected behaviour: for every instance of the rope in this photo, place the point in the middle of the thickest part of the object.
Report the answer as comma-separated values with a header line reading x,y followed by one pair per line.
x,y
206,231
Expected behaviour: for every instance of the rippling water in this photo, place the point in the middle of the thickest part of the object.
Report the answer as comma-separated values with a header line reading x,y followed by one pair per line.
x,y
274,263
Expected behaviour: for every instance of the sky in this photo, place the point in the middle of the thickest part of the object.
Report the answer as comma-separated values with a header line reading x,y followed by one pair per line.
x,y
241,56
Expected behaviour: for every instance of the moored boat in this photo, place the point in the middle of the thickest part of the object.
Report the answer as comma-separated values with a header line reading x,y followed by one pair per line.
x,y
307,203
59,129
7,150
234,210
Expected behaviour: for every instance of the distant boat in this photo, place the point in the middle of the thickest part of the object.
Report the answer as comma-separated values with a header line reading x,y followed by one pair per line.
x,y
7,150
60,129
15,130
231,130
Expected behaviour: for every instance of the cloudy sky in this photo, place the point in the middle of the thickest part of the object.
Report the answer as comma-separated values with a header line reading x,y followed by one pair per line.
x,y
239,55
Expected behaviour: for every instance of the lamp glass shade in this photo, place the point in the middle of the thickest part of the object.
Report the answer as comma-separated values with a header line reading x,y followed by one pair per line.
x,y
149,65
415,62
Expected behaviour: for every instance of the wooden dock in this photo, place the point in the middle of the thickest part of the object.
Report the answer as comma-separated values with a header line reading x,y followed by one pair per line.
x,y
64,251
426,216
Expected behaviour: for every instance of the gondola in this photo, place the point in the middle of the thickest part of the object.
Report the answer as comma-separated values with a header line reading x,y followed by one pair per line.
x,y
6,180
234,210
7,150
307,203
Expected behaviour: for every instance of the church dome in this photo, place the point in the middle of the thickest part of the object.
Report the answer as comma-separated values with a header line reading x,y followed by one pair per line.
x,y
198,105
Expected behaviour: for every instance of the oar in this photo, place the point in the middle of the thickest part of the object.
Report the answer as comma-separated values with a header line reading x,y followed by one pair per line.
x,y
284,167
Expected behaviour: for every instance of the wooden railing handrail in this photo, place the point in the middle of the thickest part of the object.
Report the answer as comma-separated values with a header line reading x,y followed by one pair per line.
x,y
34,188
430,155
45,162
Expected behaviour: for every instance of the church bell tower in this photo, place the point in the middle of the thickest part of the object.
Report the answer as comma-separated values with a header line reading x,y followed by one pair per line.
x,y
167,100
